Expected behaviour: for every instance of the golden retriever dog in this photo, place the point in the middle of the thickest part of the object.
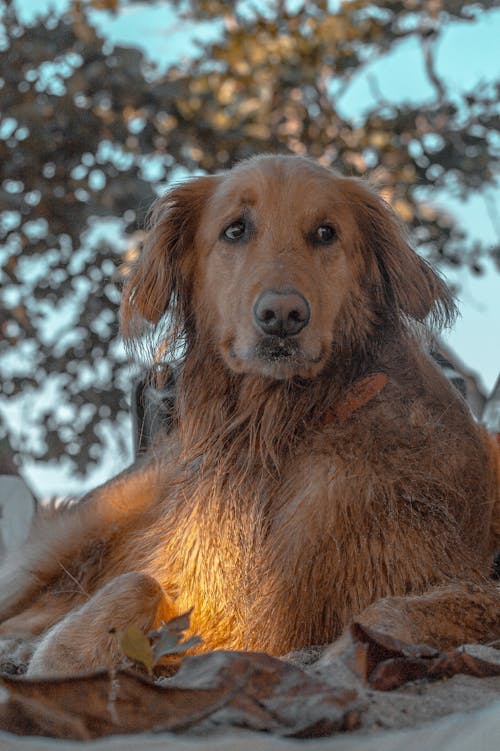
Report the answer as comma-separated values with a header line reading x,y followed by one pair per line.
x,y
321,469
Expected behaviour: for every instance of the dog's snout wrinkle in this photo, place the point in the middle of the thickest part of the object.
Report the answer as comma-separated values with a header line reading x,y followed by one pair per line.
x,y
281,312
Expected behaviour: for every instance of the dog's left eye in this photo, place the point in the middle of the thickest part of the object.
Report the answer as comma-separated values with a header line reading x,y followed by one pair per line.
x,y
324,234
235,231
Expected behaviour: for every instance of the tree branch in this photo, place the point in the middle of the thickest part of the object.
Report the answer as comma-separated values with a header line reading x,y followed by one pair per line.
x,y
430,68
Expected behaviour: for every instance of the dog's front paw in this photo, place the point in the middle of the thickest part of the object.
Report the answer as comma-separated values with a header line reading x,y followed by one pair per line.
x,y
85,639
16,651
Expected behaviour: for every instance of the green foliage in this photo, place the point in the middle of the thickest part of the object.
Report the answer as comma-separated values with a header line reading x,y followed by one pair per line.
x,y
87,133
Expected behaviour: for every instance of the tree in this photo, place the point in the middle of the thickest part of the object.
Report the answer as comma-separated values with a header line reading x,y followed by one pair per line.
x,y
87,134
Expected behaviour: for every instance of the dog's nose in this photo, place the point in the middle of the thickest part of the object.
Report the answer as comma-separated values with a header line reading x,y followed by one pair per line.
x,y
281,312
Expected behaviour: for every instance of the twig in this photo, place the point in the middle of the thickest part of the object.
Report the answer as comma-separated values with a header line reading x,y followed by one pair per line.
x,y
74,579
429,62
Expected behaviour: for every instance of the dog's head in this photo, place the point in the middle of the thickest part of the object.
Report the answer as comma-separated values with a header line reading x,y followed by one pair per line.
x,y
277,264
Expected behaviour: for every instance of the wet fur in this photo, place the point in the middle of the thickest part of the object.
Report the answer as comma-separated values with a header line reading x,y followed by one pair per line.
x,y
278,526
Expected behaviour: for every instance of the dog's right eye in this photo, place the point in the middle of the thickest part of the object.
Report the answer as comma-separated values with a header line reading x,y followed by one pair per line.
x,y
235,231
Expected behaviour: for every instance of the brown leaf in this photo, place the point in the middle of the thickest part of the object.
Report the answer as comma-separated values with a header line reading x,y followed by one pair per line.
x,y
269,694
387,663
380,646
397,671
97,705
394,673
248,690
458,661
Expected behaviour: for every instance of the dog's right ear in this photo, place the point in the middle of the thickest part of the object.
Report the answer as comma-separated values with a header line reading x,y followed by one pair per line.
x,y
161,278
402,283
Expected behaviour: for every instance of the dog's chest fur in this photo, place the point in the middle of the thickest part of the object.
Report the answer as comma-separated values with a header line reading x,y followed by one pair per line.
x,y
263,559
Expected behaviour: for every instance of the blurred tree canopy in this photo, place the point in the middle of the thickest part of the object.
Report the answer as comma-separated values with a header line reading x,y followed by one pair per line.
x,y
90,133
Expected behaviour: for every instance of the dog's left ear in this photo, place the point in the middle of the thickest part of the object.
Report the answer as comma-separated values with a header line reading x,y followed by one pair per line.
x,y
403,282
161,278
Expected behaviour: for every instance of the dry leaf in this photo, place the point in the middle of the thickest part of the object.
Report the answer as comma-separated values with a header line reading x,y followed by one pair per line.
x,y
136,646
231,689
97,705
180,623
171,644
148,649
387,663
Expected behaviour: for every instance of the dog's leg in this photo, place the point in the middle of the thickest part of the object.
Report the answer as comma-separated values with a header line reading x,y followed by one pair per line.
x,y
82,640
57,539
444,617
46,611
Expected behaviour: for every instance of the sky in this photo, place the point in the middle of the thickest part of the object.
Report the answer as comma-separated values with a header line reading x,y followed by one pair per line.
x,y
467,54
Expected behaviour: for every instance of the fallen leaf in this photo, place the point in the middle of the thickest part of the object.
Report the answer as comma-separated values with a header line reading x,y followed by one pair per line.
x,y
169,638
232,689
180,623
387,663
181,646
164,643
379,646
101,704
136,646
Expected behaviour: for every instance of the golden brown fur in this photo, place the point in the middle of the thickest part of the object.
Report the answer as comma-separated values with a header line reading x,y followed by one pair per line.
x,y
277,521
